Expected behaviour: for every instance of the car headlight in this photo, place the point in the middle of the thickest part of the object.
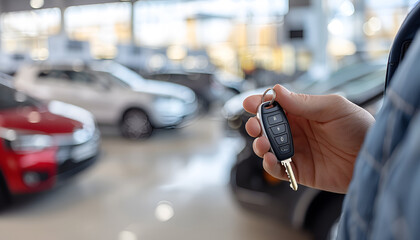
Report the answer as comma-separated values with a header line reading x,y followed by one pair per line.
x,y
82,135
25,141
169,106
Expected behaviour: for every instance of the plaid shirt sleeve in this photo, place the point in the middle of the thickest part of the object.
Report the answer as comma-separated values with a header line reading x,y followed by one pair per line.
x,y
383,200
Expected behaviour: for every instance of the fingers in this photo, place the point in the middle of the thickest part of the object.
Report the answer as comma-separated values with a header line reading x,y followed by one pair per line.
x,y
251,103
273,167
261,146
253,127
321,108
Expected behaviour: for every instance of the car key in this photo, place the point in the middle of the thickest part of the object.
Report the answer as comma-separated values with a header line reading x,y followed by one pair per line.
x,y
277,130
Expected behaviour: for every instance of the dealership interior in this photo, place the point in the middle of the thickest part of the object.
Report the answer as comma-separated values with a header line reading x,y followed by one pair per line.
x,y
123,120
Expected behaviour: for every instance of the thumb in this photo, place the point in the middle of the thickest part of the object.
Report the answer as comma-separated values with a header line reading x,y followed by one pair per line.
x,y
322,108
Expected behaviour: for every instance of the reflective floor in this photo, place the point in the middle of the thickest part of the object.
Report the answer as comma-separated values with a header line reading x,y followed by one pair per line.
x,y
172,186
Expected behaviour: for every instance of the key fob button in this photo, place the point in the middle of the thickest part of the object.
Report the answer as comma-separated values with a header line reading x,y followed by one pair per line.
x,y
285,149
282,139
274,119
278,129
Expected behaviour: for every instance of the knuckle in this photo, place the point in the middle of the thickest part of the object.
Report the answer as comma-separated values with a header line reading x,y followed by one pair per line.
x,y
303,97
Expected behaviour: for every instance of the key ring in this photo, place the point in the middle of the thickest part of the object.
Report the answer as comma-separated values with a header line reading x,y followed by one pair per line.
x,y
274,96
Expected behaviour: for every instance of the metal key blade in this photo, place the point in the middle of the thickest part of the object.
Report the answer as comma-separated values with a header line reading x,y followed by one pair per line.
x,y
290,174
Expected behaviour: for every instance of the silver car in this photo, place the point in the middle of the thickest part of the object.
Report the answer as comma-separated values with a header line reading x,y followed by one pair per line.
x,y
113,93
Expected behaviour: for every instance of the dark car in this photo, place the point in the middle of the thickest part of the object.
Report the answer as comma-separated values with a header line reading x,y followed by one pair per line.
x,y
308,208
210,87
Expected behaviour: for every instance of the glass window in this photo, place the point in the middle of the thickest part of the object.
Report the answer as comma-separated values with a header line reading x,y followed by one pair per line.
x,y
110,79
194,23
236,34
126,75
57,74
102,25
80,77
28,31
382,20
67,75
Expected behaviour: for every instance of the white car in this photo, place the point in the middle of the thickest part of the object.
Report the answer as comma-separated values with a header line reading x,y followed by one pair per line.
x,y
113,93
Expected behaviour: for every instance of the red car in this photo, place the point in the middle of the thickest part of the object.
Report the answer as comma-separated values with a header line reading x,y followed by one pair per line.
x,y
41,144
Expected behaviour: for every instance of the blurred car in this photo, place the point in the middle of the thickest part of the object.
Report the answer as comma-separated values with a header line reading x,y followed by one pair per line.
x,y
260,77
310,82
307,208
359,86
41,144
6,79
209,87
113,93
10,62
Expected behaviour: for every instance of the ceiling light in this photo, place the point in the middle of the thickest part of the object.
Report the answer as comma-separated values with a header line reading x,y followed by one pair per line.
x,y
37,3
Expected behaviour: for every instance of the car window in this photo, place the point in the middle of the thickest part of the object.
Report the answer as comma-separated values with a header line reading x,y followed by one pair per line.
x,y
56,74
10,98
68,76
81,77
109,78
126,75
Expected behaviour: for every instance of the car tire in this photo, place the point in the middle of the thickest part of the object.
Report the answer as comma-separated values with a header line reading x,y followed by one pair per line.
x,y
5,198
135,124
324,216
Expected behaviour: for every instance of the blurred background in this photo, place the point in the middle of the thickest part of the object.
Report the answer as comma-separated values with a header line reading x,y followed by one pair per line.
x,y
123,119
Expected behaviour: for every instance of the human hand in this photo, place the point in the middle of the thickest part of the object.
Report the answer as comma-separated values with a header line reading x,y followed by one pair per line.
x,y
327,130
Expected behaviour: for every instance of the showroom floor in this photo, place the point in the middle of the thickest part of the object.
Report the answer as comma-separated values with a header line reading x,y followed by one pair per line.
x,y
172,186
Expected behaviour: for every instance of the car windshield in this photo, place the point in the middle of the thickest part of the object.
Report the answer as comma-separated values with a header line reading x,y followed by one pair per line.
x,y
125,75
343,76
113,79
10,98
363,84
6,79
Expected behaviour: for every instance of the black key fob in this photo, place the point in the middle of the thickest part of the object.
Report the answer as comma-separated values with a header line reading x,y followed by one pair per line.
x,y
276,128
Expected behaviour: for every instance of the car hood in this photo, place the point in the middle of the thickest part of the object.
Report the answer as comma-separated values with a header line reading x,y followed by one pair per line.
x,y
37,119
234,105
166,89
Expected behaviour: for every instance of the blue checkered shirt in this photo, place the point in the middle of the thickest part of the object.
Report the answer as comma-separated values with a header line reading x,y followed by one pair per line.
x,y
383,200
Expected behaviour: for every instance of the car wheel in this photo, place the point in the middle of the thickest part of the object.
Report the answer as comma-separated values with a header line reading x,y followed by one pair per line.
x,y
135,124
325,215
5,198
